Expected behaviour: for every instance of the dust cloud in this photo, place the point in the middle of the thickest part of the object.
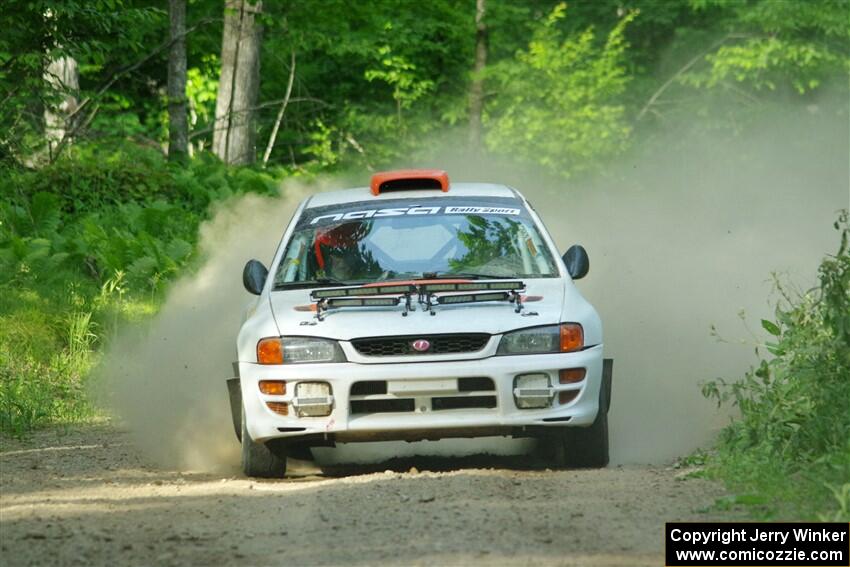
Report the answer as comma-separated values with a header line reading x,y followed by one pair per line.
x,y
682,237
167,379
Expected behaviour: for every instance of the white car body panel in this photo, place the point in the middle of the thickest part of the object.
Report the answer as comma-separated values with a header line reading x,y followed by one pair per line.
x,y
421,376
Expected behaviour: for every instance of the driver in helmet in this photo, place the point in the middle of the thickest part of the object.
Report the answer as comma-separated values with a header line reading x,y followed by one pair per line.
x,y
337,252
340,264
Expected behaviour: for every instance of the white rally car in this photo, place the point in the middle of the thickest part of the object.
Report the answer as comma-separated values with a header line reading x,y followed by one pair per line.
x,y
418,309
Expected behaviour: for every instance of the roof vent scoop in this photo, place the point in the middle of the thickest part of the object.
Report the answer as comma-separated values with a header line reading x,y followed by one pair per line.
x,y
409,179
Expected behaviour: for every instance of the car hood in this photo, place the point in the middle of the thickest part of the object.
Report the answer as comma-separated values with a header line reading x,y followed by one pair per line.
x,y
544,305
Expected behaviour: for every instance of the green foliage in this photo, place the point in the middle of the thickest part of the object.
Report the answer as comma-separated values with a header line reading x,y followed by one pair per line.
x,y
557,103
201,91
94,176
99,34
109,217
321,146
375,81
764,62
792,439
401,75
377,77
46,347
85,243
775,43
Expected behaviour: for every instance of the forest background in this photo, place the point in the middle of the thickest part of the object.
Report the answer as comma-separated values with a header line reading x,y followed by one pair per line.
x,y
124,123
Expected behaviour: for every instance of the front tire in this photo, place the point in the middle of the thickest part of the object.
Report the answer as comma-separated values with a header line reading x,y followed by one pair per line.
x,y
583,447
262,460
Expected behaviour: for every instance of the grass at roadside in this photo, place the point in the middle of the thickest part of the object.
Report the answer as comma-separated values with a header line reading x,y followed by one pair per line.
x,y
772,490
50,339
787,455
88,244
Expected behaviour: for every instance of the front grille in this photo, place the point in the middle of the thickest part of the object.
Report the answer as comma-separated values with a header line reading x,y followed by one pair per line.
x,y
475,384
439,344
369,387
462,402
383,406
478,392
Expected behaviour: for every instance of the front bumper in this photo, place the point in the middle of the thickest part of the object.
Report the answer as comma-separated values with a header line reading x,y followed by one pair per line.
x,y
343,425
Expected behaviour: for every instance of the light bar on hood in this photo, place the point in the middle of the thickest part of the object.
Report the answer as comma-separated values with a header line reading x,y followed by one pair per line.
x,y
362,302
473,298
365,290
473,286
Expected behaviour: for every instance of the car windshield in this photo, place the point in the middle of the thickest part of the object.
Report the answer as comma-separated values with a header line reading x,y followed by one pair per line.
x,y
352,246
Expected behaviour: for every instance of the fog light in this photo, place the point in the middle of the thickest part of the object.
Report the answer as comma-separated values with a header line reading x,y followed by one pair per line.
x,y
279,408
273,387
312,399
532,391
567,396
571,375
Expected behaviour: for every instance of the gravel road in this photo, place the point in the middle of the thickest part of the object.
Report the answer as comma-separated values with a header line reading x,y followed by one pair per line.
x,y
87,497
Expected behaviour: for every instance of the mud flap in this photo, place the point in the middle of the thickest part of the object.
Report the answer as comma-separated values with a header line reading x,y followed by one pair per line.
x,y
235,392
607,376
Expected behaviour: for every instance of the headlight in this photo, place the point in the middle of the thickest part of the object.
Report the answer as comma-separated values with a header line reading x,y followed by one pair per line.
x,y
566,337
295,350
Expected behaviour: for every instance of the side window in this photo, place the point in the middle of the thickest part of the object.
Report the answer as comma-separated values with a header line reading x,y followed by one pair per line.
x,y
293,267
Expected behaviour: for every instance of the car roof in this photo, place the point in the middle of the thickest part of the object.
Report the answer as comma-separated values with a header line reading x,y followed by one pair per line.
x,y
455,190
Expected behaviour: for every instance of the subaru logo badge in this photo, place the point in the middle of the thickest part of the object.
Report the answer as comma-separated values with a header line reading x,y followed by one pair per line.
x,y
420,345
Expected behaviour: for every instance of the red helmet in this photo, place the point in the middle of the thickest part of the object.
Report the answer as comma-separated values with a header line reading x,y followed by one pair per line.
x,y
343,236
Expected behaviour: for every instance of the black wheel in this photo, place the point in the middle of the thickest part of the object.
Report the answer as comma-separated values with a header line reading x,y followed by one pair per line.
x,y
262,460
587,447
583,447
235,395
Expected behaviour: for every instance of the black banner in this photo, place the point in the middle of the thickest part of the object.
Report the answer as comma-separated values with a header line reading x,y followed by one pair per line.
x,y
365,210
754,543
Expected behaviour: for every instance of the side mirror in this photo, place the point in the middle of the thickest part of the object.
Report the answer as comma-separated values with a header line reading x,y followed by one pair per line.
x,y
577,261
254,276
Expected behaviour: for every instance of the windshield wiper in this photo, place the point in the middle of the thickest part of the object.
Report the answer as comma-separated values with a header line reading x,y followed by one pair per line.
x,y
467,275
318,282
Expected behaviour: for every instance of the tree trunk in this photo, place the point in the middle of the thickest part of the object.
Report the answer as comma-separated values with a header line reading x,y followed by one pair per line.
x,y
229,45
63,75
178,125
239,83
476,89
273,136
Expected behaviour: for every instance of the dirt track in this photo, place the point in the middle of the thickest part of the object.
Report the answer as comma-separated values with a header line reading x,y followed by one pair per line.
x,y
86,497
